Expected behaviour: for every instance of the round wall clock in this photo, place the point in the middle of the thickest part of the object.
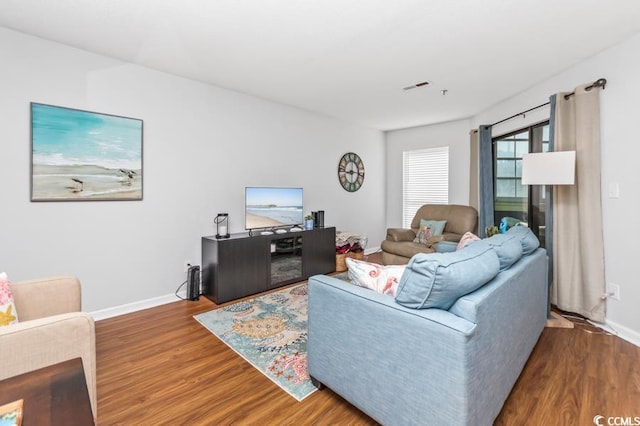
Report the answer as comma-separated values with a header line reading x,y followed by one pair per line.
x,y
351,172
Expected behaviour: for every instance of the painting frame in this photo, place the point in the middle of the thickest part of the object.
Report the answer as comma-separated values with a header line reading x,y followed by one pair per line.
x,y
80,155
12,413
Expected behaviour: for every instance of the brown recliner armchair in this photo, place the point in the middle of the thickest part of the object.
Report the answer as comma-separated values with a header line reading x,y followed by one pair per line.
x,y
399,247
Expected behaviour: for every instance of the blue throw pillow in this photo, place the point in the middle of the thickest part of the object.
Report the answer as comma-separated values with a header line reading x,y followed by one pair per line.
x,y
437,280
528,240
429,229
436,226
507,247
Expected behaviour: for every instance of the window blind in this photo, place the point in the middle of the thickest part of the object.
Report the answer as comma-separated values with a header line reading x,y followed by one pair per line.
x,y
425,180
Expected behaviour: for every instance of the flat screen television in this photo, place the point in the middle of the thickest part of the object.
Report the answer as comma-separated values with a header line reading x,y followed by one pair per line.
x,y
269,207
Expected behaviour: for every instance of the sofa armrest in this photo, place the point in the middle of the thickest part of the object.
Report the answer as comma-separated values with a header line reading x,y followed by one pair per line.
x,y
30,345
400,234
45,297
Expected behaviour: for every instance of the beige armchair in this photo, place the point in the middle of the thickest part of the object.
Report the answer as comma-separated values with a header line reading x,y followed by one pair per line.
x,y
399,247
51,330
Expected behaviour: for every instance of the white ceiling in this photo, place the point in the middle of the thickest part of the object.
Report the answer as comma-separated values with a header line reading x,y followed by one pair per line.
x,y
344,58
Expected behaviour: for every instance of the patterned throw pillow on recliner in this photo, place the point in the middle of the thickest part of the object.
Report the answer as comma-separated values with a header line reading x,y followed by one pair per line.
x,y
8,314
430,231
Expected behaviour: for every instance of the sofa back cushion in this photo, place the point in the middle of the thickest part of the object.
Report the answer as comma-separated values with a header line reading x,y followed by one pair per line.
x,y
507,247
527,238
460,219
437,280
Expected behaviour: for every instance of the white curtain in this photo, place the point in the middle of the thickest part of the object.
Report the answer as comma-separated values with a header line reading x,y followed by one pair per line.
x,y
578,250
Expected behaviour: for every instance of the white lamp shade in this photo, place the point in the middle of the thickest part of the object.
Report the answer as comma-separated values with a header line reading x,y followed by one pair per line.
x,y
549,168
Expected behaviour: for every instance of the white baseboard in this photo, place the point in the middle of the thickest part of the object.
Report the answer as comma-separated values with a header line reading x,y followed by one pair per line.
x,y
137,306
156,301
623,332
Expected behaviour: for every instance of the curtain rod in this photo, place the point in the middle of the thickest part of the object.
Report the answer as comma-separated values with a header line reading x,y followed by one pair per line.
x,y
601,82
520,113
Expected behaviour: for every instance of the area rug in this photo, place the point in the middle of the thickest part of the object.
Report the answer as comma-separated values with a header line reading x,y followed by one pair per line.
x,y
269,332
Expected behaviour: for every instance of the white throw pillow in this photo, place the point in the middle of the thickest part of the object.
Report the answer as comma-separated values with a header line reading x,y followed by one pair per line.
x,y
383,279
467,238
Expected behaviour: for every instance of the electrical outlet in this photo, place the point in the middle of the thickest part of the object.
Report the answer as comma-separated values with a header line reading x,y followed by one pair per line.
x,y
613,291
614,190
187,264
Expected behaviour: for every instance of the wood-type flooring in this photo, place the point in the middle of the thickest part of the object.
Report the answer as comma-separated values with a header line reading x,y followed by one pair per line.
x,y
160,367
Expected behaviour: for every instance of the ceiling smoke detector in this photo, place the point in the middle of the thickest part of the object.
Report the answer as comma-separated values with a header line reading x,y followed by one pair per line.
x,y
415,86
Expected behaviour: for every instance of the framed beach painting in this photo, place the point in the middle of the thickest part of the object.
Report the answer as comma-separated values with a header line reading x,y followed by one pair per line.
x,y
84,156
11,414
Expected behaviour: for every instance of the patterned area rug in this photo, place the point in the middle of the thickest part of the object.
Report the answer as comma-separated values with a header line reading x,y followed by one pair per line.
x,y
269,332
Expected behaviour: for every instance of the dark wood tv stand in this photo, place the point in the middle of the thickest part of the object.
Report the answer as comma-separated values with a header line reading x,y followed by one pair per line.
x,y
242,265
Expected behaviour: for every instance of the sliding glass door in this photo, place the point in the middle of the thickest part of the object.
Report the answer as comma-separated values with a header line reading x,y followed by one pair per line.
x,y
513,201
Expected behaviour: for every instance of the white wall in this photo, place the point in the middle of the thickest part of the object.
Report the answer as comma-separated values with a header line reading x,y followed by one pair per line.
x,y
202,146
620,112
455,135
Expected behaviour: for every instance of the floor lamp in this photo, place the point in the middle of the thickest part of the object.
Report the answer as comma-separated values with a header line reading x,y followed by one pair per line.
x,y
550,169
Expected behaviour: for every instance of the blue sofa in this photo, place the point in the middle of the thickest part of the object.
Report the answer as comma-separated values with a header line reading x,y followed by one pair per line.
x,y
433,366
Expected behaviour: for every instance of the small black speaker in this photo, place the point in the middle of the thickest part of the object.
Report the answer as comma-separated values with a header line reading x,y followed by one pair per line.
x,y
193,283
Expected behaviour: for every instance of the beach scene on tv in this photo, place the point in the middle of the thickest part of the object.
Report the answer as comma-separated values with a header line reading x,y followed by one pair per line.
x,y
272,207
81,155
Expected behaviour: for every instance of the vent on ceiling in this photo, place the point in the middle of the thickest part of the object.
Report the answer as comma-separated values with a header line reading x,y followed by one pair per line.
x,y
415,86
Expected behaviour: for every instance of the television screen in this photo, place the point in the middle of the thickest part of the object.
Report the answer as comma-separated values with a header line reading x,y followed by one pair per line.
x,y
272,207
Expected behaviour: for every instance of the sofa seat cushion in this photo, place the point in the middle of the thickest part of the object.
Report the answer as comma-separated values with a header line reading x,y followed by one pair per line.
x,y
527,238
437,280
405,248
507,247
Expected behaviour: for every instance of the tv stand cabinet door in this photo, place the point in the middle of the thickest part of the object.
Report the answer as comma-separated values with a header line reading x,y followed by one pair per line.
x,y
319,251
235,268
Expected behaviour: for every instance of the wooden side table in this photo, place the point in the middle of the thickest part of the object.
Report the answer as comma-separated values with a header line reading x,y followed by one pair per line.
x,y
54,395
